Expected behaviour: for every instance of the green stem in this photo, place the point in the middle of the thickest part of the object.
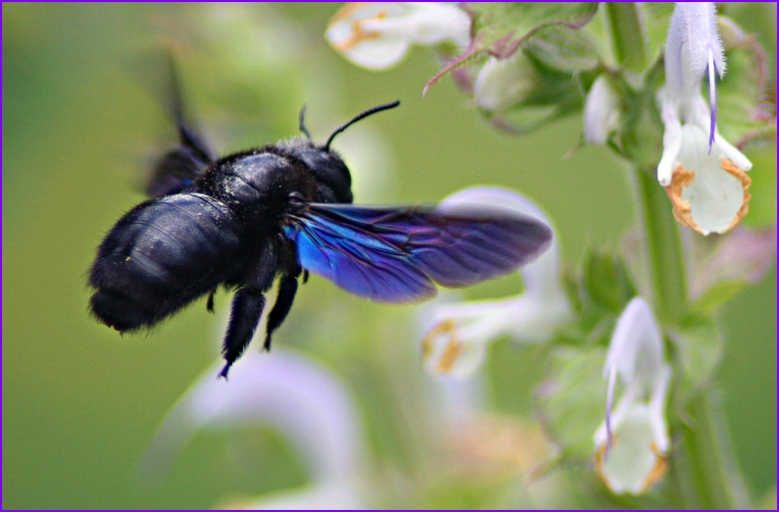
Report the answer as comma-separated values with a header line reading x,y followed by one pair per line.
x,y
664,252
627,33
703,469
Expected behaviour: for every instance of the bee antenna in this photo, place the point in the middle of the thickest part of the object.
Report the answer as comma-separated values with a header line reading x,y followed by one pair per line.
x,y
365,114
301,123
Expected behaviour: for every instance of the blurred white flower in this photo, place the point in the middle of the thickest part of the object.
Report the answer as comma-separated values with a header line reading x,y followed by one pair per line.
x,y
601,111
457,342
632,444
693,46
378,35
292,394
504,83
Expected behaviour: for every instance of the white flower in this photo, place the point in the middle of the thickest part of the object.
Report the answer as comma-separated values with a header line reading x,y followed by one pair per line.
x,y
714,195
504,83
378,35
693,46
296,396
601,111
457,342
632,444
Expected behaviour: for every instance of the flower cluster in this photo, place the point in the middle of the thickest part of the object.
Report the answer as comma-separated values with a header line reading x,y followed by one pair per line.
x,y
706,182
525,66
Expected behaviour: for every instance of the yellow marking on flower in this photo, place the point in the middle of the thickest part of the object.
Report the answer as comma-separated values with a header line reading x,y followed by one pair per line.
x,y
746,181
444,327
358,35
681,207
346,11
451,351
657,472
450,355
600,461
659,469
684,178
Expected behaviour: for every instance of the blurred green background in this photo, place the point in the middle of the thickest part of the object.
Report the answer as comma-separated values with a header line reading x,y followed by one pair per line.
x,y
81,119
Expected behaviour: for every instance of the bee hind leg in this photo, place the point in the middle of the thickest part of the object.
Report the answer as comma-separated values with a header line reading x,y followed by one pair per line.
x,y
246,312
248,304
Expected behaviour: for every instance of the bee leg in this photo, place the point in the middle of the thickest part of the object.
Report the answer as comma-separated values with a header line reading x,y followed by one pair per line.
x,y
210,301
287,289
247,307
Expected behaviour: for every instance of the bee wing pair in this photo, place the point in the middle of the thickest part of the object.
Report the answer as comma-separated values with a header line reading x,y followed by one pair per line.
x,y
395,254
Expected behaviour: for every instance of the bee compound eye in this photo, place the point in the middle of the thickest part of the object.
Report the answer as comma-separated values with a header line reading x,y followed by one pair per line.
x,y
296,199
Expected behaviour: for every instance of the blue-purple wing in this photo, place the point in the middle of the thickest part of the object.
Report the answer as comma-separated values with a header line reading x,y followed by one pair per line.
x,y
395,254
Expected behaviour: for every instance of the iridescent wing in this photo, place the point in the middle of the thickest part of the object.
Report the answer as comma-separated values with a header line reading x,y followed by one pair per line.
x,y
179,167
396,254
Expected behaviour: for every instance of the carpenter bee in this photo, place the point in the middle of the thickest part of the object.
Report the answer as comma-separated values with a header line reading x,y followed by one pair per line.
x,y
277,212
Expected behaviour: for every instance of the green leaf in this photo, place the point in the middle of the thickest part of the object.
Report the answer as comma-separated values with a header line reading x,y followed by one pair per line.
x,y
742,109
606,281
555,95
656,18
639,32
564,49
716,296
640,135
500,28
698,347
599,296
762,206
571,403
571,286
628,35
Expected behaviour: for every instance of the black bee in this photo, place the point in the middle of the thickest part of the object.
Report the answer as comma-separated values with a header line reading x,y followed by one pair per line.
x,y
279,211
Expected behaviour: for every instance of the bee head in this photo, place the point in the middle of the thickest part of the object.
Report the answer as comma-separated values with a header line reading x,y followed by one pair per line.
x,y
326,164
329,169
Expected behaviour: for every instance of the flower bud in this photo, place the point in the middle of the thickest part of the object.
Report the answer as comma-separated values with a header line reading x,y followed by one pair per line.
x,y
504,83
601,111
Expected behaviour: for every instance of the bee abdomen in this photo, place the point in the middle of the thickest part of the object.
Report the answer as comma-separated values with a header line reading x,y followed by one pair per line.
x,y
161,256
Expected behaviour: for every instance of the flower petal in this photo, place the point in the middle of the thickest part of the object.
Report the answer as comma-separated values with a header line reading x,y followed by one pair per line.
x,y
636,349
456,344
446,352
693,45
633,463
713,196
636,356
378,35
283,389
